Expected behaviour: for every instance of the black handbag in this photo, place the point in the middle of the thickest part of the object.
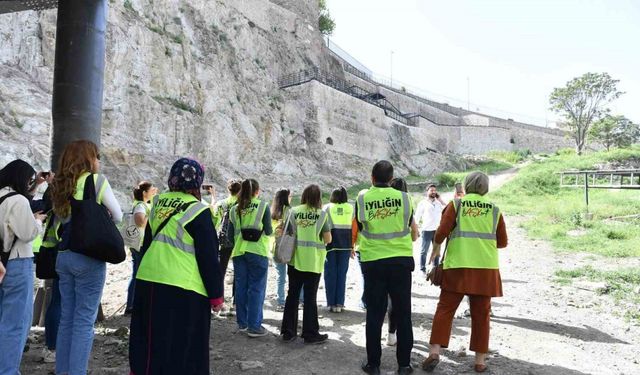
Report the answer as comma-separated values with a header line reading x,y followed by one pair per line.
x,y
93,233
45,258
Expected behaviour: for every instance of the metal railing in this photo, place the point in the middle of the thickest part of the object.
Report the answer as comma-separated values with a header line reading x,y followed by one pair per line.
x,y
340,84
600,179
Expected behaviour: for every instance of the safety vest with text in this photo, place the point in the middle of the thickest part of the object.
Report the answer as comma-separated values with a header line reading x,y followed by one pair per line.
x,y
171,258
310,251
472,243
385,215
251,218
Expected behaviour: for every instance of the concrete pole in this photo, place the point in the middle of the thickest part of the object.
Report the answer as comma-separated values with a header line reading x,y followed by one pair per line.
x,y
78,74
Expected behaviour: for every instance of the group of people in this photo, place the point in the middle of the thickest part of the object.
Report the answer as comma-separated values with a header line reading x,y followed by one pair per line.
x,y
180,264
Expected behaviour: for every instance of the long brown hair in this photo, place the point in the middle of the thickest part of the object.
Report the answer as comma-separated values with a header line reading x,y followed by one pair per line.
x,y
247,191
312,197
77,158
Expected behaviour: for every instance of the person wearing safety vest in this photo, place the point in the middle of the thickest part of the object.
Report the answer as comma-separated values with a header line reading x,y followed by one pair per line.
x,y
310,223
476,231
340,215
384,219
82,278
178,281
233,187
250,224
142,195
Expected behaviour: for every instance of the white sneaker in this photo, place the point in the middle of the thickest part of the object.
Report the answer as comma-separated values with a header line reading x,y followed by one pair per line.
x,y
48,356
392,339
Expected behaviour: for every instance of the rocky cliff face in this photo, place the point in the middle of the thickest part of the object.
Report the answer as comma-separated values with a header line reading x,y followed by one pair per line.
x,y
183,77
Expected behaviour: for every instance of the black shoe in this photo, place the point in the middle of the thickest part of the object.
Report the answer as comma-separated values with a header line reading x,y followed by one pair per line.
x,y
404,370
287,337
316,339
366,367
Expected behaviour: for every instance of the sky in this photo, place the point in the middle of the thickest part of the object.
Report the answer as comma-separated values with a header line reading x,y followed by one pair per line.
x,y
501,56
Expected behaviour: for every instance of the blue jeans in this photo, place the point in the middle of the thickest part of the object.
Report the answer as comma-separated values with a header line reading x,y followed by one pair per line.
x,y
251,284
52,317
136,257
281,269
16,312
81,283
427,237
335,276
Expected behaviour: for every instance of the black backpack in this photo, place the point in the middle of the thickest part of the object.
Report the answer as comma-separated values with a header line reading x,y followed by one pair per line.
x,y
4,255
226,241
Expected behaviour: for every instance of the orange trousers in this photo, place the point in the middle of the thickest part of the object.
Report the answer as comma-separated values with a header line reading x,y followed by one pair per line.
x,y
442,321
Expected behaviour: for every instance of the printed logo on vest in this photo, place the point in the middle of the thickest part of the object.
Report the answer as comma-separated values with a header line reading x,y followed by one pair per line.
x,y
382,209
306,219
476,208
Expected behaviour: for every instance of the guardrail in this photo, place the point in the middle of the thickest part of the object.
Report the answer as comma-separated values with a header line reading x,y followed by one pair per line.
x,y
340,84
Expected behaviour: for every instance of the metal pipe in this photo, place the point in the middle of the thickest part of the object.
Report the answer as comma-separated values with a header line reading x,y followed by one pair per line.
x,y
78,73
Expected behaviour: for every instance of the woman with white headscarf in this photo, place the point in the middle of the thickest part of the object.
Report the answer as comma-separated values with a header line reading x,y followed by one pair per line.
x,y
476,231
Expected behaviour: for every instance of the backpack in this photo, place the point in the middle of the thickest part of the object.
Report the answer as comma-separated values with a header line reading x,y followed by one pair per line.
x,y
226,241
4,255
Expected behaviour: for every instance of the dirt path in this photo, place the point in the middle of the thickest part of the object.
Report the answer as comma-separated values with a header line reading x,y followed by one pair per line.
x,y
538,328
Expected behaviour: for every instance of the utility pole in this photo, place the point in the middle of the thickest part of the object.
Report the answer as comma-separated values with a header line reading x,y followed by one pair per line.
x,y
468,94
391,67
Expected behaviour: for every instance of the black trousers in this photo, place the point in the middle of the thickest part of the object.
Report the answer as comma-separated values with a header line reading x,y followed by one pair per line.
x,y
392,280
298,280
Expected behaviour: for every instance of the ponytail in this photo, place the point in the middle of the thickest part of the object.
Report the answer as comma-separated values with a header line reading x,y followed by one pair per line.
x,y
138,191
247,191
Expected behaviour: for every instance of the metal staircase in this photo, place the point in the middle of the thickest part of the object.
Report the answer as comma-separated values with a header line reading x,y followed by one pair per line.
x,y
335,82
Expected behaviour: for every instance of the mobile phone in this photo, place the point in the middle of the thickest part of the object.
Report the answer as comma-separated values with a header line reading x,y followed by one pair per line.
x,y
45,174
207,187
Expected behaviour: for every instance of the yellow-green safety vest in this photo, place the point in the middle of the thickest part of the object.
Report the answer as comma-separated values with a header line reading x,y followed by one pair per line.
x,y
171,259
473,242
340,217
385,215
251,219
310,251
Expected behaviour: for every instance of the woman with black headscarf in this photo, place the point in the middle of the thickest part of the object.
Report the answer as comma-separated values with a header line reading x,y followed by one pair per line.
x,y
179,280
18,228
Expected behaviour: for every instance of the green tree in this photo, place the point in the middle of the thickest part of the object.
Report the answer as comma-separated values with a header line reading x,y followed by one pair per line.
x,y
326,24
582,101
616,131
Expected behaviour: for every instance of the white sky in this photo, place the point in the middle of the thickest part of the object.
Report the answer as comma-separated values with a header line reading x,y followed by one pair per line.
x,y
513,51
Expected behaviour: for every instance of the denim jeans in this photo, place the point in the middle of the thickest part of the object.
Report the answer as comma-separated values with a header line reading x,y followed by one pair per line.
x,y
136,257
81,283
52,317
251,285
335,276
427,237
16,312
281,269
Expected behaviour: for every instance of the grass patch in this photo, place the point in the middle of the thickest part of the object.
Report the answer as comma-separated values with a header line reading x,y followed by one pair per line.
x,y
178,104
447,180
621,284
557,214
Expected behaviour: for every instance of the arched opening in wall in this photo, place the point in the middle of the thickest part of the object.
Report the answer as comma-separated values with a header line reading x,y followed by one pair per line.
x,y
512,141
329,141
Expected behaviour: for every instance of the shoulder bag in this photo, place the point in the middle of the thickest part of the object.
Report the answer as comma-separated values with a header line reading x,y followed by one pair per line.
x,y
93,233
4,255
285,244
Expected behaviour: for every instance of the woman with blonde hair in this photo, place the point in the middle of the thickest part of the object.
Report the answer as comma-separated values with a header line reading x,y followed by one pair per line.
x,y
476,231
81,277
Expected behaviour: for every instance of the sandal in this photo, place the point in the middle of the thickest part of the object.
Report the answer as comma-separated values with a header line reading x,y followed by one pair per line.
x,y
479,368
430,363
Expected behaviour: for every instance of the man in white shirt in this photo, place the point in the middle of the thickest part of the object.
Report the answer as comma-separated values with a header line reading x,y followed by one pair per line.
x,y
428,215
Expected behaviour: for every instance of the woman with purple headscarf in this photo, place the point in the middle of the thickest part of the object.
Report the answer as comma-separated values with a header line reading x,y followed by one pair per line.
x,y
179,281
